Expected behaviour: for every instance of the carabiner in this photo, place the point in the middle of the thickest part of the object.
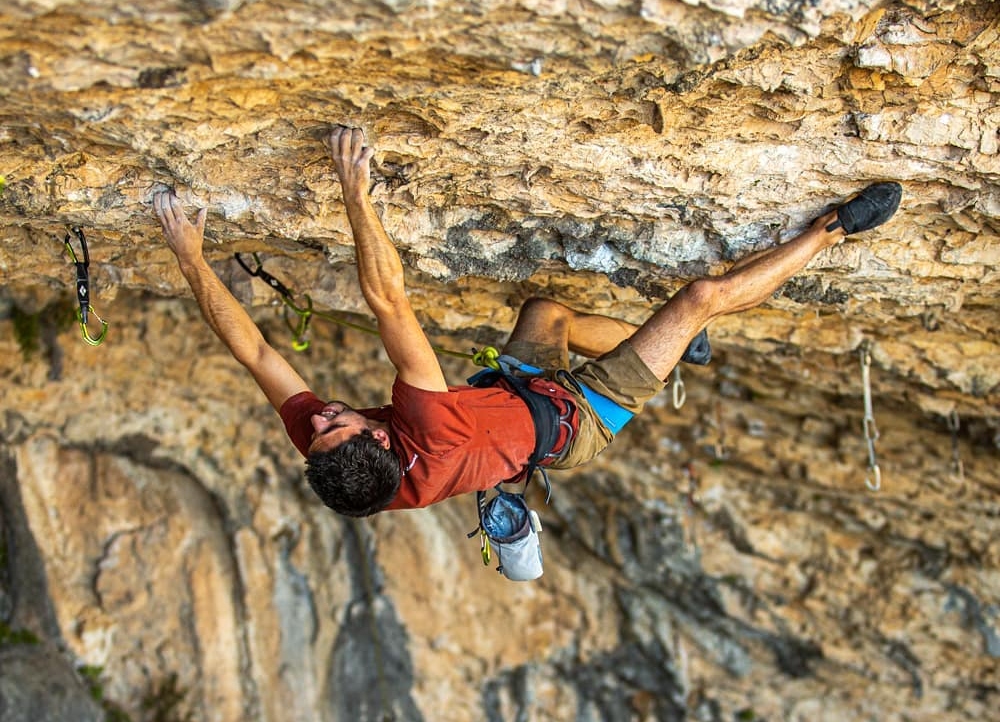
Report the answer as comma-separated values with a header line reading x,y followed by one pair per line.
x,y
484,546
299,341
680,393
868,423
263,275
877,484
86,332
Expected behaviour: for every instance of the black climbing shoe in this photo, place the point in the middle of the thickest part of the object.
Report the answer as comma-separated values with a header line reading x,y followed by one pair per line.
x,y
870,208
699,351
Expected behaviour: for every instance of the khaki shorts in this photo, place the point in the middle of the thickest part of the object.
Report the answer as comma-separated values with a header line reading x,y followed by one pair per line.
x,y
619,375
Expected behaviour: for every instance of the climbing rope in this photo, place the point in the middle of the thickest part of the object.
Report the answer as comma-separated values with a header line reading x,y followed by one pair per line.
x,y
871,431
83,287
305,313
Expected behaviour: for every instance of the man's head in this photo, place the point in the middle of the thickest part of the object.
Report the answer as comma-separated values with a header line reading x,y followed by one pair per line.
x,y
350,465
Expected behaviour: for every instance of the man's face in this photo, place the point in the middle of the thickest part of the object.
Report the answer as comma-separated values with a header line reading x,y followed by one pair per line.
x,y
334,424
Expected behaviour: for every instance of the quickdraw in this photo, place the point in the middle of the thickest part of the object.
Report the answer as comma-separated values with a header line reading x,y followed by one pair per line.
x,y
306,312
299,330
83,287
871,431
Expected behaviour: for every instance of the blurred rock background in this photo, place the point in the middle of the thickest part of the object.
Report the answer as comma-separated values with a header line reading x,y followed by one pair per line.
x,y
160,555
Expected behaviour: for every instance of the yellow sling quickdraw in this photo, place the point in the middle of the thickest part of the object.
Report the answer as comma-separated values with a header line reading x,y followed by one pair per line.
x,y
83,288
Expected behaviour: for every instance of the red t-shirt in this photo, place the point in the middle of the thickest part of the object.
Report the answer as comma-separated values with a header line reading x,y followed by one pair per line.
x,y
449,442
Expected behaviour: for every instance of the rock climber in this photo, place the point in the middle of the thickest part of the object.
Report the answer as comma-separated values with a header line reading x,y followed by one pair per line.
x,y
435,441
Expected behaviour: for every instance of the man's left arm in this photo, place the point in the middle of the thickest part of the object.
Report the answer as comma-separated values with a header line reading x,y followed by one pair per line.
x,y
223,313
380,269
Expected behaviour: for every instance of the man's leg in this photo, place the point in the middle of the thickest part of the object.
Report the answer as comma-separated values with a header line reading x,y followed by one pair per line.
x,y
662,339
557,326
553,325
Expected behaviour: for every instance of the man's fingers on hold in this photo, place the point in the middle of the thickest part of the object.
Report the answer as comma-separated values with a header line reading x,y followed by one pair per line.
x,y
177,208
357,140
161,213
347,141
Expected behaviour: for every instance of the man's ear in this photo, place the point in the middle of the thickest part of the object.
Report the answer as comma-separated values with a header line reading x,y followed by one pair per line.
x,y
382,437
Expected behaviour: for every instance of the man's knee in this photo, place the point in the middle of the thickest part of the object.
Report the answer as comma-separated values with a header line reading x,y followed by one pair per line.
x,y
541,320
543,310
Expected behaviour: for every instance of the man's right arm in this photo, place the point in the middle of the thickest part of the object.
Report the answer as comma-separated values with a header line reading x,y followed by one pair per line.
x,y
380,269
223,313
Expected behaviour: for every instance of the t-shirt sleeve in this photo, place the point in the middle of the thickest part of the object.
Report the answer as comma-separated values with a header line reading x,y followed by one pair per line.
x,y
296,413
434,420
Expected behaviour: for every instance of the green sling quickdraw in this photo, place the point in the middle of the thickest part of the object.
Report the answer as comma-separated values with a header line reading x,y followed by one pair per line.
x,y
306,312
299,330
83,288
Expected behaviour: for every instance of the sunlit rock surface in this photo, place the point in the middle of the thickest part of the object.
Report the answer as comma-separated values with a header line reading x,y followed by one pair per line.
x,y
721,561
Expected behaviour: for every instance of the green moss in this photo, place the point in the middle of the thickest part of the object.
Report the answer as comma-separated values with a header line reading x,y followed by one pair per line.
x,y
92,678
161,704
91,675
16,636
164,701
114,713
27,331
29,327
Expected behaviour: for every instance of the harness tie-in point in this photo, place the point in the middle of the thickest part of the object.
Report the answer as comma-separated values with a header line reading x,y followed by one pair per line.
x,y
487,357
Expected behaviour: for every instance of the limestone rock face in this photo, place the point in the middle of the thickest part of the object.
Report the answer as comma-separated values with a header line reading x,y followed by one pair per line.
x,y
720,561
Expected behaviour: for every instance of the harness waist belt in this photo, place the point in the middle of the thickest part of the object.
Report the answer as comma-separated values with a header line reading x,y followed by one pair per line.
x,y
546,417
552,433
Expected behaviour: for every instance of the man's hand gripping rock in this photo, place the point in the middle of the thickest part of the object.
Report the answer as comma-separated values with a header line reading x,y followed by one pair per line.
x,y
351,159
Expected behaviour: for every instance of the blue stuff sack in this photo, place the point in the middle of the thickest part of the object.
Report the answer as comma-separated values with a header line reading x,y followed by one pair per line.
x,y
513,529
611,414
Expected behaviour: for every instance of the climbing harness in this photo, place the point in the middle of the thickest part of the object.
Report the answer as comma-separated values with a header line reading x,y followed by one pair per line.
x,y
954,424
545,416
83,287
679,392
306,312
506,523
871,431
